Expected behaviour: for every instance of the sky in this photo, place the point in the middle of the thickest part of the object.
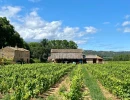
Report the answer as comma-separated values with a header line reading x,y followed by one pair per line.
x,y
101,25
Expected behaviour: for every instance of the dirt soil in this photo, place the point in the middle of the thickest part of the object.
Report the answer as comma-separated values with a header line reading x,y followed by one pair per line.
x,y
0,96
106,93
86,94
55,89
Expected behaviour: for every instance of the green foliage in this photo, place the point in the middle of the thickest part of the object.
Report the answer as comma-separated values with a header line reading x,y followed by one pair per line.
x,y
122,58
7,97
92,85
62,89
75,92
8,35
35,49
114,76
8,61
52,97
30,80
36,60
4,61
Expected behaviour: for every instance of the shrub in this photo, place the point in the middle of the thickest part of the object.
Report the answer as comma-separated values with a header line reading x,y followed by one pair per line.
x,y
35,60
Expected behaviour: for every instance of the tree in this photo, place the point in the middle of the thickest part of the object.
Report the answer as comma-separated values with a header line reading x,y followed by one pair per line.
x,y
124,57
35,49
8,35
45,50
65,44
72,45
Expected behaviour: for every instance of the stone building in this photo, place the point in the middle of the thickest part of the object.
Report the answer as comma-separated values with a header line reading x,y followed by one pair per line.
x,y
66,55
15,54
93,59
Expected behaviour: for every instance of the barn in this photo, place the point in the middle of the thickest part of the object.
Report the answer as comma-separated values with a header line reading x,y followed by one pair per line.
x,y
15,54
93,59
66,55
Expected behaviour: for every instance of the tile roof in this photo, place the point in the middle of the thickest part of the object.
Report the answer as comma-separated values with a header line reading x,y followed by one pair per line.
x,y
93,56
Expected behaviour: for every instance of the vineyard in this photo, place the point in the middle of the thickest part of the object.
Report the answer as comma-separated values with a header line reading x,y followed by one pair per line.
x,y
114,76
30,80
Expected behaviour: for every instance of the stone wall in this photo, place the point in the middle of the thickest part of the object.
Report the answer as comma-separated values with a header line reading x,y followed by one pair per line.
x,y
22,55
15,54
7,53
89,61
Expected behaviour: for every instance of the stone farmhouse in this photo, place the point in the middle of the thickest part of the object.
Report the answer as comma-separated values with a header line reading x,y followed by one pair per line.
x,y
15,54
66,55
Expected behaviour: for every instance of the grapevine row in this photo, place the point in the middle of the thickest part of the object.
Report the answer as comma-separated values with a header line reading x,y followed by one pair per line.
x,y
30,80
114,76
75,92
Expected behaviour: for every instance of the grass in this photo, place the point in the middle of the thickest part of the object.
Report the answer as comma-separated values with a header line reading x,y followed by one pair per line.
x,y
92,85
52,97
62,89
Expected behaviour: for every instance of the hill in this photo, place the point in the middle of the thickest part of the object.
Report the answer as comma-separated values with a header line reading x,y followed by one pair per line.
x,y
106,54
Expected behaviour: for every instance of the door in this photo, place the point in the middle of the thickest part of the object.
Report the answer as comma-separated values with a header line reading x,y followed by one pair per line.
x,y
94,60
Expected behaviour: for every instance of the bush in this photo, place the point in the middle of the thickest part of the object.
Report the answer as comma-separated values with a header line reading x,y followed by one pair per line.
x,y
7,62
35,60
31,60
4,61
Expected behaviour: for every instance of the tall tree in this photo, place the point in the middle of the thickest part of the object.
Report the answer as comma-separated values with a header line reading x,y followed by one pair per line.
x,y
36,49
65,44
45,50
6,31
8,35
72,45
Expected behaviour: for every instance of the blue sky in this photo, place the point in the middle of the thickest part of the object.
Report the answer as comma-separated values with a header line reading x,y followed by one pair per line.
x,y
92,24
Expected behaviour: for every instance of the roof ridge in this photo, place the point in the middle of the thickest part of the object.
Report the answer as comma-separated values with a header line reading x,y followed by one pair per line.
x,y
14,48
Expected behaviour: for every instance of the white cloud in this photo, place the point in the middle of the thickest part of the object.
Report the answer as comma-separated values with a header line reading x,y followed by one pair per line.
x,y
91,29
126,23
127,30
32,27
127,16
80,41
35,27
9,11
106,23
34,0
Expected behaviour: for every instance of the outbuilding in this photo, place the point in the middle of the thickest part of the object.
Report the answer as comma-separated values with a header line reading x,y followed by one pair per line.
x,y
93,59
66,55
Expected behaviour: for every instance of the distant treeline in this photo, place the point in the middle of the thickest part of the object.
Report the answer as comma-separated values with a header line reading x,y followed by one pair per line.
x,y
110,55
121,57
